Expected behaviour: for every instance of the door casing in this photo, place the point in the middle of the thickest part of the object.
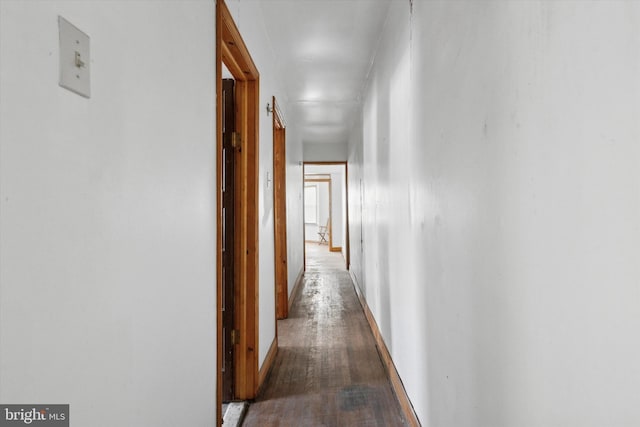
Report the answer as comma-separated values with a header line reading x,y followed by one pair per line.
x,y
231,49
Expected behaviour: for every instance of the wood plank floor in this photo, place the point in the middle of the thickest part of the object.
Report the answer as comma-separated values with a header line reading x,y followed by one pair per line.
x,y
327,371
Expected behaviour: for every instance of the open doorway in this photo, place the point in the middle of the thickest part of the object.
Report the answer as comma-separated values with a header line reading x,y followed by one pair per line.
x,y
326,225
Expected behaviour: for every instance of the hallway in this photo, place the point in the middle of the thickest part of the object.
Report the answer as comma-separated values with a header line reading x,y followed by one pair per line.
x,y
480,170
327,371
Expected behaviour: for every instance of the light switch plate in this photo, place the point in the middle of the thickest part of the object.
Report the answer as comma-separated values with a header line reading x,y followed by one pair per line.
x,y
75,59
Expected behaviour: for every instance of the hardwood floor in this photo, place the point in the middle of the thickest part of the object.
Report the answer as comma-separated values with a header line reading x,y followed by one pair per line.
x,y
327,371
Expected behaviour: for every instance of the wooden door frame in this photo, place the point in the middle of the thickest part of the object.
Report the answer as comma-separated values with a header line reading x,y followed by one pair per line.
x,y
231,49
280,214
346,189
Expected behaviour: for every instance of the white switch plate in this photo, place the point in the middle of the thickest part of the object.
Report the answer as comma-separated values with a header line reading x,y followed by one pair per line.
x,y
75,59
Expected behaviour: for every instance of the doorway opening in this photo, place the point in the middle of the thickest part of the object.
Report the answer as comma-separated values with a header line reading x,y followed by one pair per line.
x,y
236,214
326,212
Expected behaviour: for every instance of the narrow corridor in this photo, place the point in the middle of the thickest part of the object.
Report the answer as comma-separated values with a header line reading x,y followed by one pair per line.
x,y
327,371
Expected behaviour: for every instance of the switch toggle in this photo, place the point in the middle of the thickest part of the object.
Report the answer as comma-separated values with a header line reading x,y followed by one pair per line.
x,y
74,58
79,62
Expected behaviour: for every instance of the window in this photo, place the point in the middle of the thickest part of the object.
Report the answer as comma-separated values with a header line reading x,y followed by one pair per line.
x,y
310,204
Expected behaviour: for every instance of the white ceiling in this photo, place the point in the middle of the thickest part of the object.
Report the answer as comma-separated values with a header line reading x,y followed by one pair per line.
x,y
324,49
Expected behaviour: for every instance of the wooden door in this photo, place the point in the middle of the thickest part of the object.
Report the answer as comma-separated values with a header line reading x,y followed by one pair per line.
x,y
228,237
280,214
232,52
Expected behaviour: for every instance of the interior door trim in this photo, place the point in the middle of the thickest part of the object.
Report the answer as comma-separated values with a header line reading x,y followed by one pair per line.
x,y
232,51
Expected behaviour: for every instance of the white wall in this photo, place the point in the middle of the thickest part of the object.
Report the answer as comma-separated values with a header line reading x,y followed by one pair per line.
x,y
337,218
325,152
343,214
295,206
249,18
355,198
107,207
324,204
500,170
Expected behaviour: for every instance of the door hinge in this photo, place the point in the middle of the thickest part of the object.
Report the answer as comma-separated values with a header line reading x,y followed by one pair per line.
x,y
235,337
236,140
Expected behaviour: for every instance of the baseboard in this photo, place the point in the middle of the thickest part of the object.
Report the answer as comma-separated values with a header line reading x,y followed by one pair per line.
x,y
296,287
396,381
336,249
268,362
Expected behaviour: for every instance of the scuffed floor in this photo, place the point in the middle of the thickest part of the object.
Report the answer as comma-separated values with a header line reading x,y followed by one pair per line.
x,y
327,371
